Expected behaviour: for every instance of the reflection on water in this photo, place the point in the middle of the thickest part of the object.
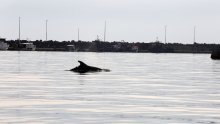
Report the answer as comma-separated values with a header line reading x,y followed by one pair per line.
x,y
141,88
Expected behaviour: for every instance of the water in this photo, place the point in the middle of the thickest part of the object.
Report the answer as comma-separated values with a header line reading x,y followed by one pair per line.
x,y
141,88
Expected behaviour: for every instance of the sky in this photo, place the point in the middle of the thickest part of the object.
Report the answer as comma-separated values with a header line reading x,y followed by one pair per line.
x,y
128,20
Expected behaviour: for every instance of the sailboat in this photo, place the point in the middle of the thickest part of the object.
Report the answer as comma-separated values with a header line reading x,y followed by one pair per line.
x,y
27,46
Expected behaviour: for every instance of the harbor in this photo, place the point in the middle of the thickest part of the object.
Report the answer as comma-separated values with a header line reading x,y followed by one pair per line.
x,y
115,46
110,62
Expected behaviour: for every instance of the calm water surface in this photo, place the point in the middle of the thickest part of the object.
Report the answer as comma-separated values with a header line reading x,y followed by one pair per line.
x,y
141,88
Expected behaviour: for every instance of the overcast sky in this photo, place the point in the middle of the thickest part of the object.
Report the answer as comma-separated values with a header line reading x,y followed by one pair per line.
x,y
129,20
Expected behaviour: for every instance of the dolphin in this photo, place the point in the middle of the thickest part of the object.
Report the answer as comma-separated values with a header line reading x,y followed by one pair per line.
x,y
84,68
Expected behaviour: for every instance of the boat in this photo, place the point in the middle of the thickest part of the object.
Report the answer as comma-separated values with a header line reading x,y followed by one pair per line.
x,y
70,48
215,54
3,45
27,46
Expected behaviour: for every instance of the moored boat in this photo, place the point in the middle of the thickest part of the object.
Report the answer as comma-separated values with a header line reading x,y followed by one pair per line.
x,y
215,54
27,46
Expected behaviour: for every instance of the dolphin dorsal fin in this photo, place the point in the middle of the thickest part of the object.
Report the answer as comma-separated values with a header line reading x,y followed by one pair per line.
x,y
82,63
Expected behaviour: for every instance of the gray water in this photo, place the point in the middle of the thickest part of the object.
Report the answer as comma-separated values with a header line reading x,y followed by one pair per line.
x,y
141,88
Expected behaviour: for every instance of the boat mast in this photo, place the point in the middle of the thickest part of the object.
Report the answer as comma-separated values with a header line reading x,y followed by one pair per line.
x,y
157,39
165,28
78,34
19,29
194,37
46,29
105,31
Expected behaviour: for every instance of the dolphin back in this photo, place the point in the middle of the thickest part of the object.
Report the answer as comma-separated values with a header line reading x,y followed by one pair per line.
x,y
84,68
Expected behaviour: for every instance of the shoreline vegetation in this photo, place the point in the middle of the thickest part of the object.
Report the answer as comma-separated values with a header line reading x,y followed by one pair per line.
x,y
116,46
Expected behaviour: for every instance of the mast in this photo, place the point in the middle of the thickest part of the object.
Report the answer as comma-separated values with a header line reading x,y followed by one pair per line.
x,y
194,36
165,28
46,29
157,39
97,38
105,31
19,29
78,34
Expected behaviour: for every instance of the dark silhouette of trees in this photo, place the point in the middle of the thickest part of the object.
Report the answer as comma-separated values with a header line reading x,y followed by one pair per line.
x,y
116,46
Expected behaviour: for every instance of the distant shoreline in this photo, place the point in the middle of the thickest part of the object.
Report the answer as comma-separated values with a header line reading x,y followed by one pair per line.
x,y
116,46
111,52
